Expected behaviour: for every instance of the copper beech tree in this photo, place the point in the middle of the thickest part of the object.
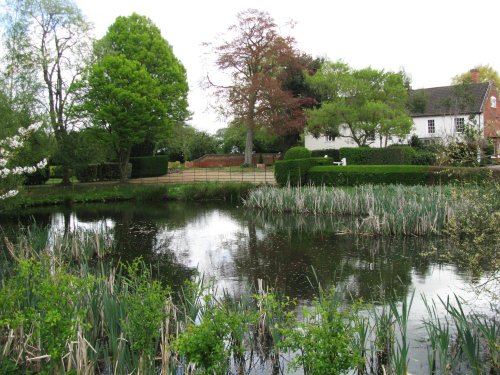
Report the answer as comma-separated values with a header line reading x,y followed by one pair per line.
x,y
258,61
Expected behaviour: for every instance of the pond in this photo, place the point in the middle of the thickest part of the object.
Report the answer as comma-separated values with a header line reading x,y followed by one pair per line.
x,y
236,247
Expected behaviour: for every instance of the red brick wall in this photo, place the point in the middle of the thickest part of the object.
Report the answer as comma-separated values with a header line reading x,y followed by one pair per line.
x,y
492,118
229,160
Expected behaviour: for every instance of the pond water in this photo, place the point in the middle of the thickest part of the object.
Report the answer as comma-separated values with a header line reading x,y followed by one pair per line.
x,y
236,247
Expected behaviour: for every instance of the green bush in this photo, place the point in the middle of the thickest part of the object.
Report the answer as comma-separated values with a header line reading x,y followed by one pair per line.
x,y
423,157
378,156
295,171
394,174
331,152
39,177
100,172
298,152
149,166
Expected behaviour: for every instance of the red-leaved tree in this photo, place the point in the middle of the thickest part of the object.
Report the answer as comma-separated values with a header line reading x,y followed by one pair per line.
x,y
258,61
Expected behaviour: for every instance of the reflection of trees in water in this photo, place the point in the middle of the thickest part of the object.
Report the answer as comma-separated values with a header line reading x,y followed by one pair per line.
x,y
284,250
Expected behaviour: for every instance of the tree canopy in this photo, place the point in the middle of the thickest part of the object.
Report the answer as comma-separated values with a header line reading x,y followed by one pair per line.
x,y
47,44
257,59
137,38
366,102
486,73
124,99
136,88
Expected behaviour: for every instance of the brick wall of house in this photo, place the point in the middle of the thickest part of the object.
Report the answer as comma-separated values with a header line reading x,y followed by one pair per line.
x,y
229,160
492,118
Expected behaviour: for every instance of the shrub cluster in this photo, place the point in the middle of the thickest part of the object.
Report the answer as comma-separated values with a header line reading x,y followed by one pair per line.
x,y
39,177
298,152
331,152
394,174
295,171
100,172
149,166
378,156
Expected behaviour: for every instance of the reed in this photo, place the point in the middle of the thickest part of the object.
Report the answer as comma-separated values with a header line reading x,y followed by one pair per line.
x,y
378,209
63,310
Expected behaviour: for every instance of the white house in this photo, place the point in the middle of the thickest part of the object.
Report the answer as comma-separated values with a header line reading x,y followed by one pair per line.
x,y
442,115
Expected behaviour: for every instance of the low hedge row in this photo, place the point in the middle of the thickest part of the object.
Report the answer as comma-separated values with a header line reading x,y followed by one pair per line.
x,y
394,174
378,156
295,171
381,156
149,166
100,172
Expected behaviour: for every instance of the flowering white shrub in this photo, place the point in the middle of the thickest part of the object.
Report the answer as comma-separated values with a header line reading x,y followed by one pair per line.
x,y
8,147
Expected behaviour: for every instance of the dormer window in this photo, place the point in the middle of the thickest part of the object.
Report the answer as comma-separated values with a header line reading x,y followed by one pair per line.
x,y
493,102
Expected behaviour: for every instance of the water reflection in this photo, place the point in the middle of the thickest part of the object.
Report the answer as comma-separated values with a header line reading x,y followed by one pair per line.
x,y
237,247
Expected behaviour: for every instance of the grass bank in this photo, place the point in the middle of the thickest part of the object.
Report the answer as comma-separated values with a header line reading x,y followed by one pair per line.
x,y
114,192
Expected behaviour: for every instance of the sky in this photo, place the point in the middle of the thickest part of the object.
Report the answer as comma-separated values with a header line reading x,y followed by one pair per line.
x,y
432,40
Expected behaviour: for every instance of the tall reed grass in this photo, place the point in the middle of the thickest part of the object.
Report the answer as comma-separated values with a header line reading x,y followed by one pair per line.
x,y
379,209
62,310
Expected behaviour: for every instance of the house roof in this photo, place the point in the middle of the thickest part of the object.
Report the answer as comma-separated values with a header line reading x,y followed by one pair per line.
x,y
449,100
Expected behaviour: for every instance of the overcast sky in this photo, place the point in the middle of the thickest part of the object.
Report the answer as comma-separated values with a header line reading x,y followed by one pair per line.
x,y
433,40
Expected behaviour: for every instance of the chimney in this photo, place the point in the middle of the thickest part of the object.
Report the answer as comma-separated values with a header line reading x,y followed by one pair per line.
x,y
474,75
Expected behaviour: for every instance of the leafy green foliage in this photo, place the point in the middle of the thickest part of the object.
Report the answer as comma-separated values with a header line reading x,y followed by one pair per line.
x,y
144,302
49,301
297,152
378,156
101,172
137,38
325,339
367,102
475,230
149,166
295,172
393,174
124,100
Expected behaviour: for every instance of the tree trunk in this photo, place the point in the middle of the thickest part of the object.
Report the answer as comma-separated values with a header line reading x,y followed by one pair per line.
x,y
249,146
123,159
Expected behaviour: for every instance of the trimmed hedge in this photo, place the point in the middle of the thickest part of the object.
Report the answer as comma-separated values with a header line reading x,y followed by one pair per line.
x,y
394,174
100,172
378,156
295,171
149,166
330,152
298,152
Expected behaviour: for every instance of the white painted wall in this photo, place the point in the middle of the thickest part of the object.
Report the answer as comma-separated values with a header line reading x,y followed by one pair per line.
x,y
322,143
444,131
444,126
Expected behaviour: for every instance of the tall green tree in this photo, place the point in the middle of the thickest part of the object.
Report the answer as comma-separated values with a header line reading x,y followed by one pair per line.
x,y
50,39
359,104
125,100
138,39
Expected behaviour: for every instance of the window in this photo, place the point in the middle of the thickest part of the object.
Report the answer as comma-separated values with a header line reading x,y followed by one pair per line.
x,y
371,137
431,127
459,124
493,102
329,138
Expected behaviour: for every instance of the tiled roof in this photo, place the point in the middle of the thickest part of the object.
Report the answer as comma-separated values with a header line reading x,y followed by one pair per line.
x,y
449,100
